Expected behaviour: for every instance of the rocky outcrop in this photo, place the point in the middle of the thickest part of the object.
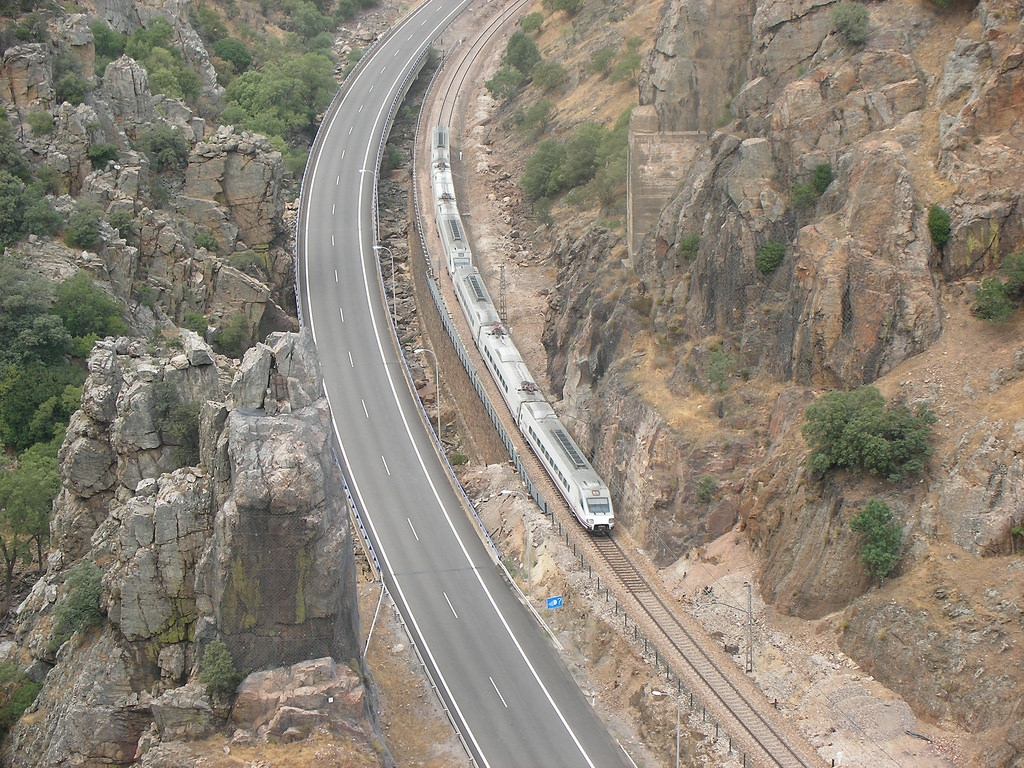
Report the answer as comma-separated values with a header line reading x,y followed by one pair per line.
x,y
250,547
240,170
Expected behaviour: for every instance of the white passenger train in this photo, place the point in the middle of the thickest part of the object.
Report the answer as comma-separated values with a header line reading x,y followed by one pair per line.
x,y
583,489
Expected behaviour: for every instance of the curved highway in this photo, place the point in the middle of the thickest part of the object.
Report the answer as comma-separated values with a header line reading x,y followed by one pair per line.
x,y
499,675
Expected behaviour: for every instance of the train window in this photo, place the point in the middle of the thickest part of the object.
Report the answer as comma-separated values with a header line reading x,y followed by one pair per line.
x,y
599,506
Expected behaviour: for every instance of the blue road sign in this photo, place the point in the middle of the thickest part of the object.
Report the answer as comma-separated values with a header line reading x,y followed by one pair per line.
x,y
555,602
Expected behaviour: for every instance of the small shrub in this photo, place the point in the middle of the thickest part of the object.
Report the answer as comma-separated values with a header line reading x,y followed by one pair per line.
x,y
822,177
194,321
601,62
247,261
79,609
689,246
71,88
720,365
232,339
882,537
804,195
1013,270
217,670
123,222
206,240
770,256
17,693
101,154
706,488
457,459
178,423
642,305
40,121
851,21
938,225
167,146
992,301
83,229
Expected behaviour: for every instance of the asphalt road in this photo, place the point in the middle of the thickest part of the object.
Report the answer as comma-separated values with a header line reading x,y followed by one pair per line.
x,y
498,673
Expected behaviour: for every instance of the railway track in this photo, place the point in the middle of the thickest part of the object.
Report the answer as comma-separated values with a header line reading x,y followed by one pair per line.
x,y
455,84
738,712
744,717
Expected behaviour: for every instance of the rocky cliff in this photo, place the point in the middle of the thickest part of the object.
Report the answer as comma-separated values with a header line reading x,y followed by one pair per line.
x,y
250,547
693,366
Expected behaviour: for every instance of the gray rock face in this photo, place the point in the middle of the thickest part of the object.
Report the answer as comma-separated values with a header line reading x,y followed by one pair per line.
x,y
126,88
241,170
252,548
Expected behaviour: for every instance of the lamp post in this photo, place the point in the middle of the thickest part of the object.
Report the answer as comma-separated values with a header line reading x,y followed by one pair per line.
x,y
658,695
437,387
394,295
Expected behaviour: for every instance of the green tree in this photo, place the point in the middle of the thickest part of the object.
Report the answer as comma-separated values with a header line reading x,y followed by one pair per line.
x,y
992,302
36,402
217,670
541,177
532,22
602,60
505,83
27,492
939,225
178,423
521,53
234,50
285,97
571,7
25,296
626,68
549,75
109,44
854,430
79,609
85,309
706,488
883,535
850,20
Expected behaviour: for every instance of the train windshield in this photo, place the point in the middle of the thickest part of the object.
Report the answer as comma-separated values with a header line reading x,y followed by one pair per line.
x,y
599,506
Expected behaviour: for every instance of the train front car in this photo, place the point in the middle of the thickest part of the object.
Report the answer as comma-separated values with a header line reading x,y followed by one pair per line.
x,y
577,481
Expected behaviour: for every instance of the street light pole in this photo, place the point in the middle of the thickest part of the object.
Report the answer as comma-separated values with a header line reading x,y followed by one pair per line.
x,y
394,295
437,387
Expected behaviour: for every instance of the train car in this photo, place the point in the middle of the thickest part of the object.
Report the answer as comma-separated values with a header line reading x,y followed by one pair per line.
x,y
579,483
576,479
506,366
476,302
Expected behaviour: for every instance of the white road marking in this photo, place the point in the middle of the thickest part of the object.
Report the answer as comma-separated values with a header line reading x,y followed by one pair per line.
x,y
335,275
332,241
333,206
410,523
360,109
495,685
366,412
386,467
341,311
450,604
351,362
